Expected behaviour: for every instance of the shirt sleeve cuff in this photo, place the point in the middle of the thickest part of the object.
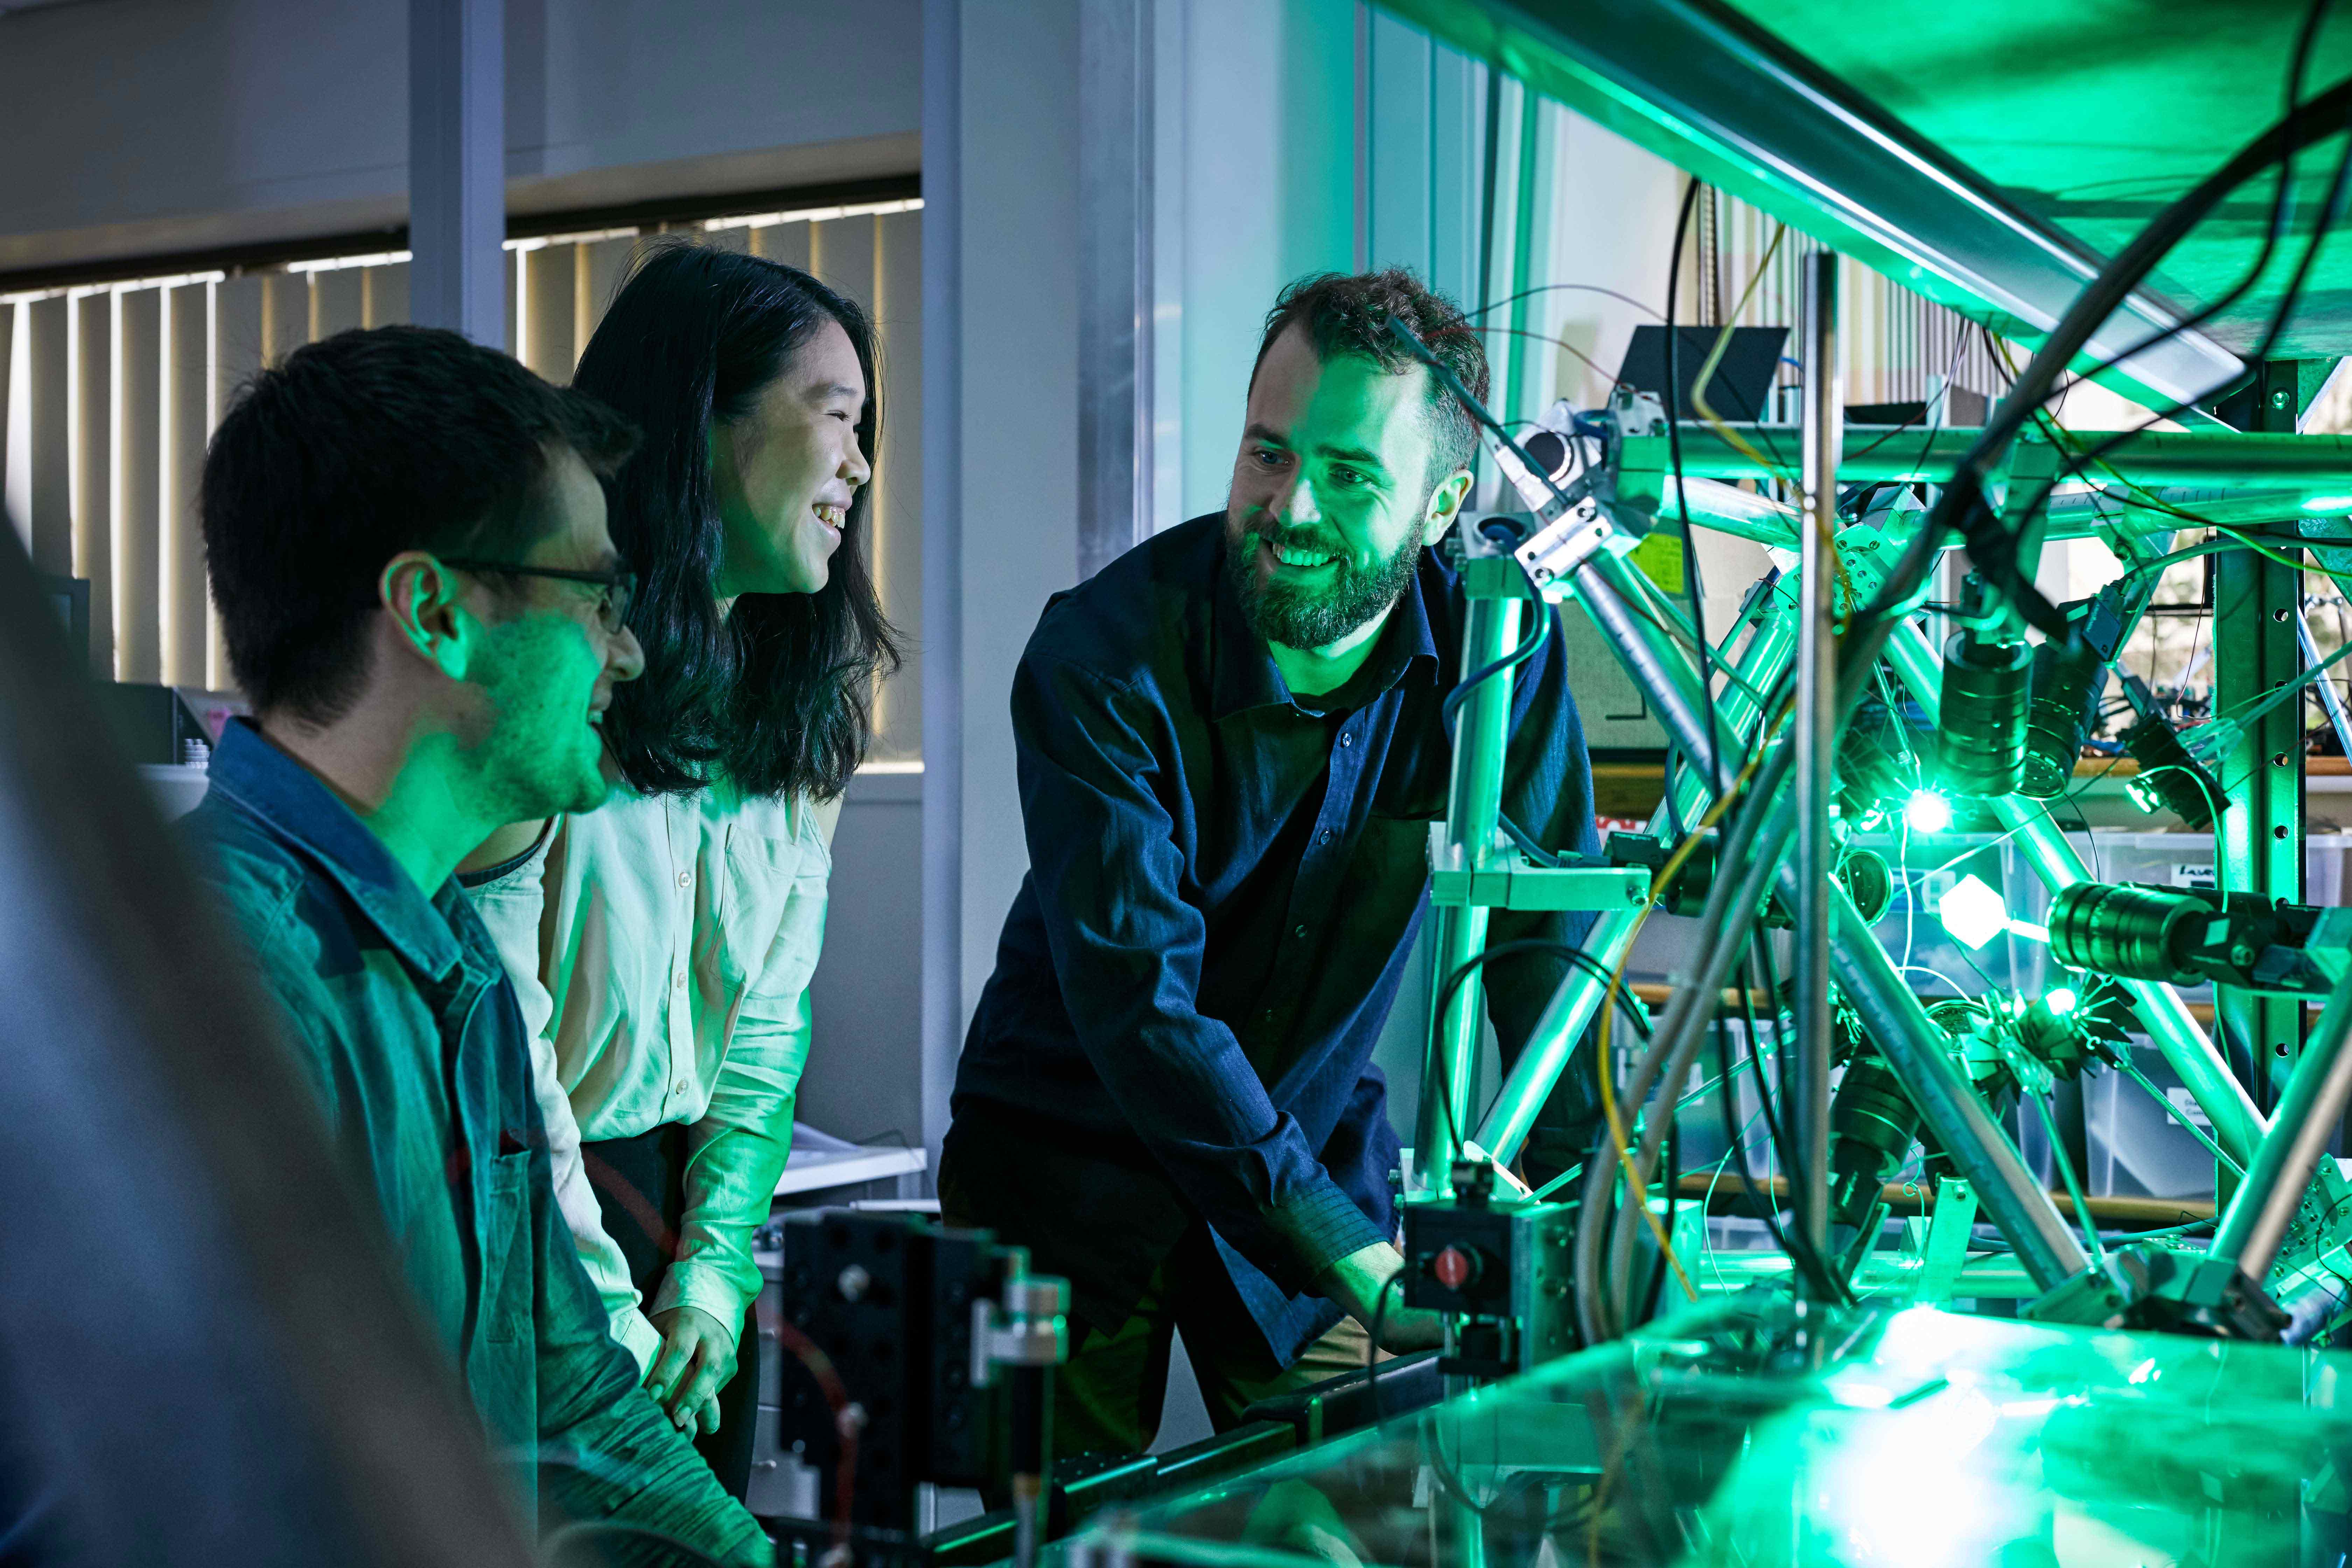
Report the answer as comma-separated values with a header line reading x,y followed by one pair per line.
x,y
1325,1226
638,1337
689,1284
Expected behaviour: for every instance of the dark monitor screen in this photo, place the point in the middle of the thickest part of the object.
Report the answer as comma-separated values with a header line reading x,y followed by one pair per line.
x,y
1741,386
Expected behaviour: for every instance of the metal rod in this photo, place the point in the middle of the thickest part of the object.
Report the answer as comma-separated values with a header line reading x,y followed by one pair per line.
x,y
2308,1114
2329,698
1474,800
1603,587
2299,466
1816,738
2238,1127
1922,1058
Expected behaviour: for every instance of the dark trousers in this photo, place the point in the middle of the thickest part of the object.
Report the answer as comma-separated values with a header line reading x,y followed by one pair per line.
x,y
649,1171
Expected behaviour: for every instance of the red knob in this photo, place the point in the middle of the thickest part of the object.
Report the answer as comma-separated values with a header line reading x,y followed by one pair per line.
x,y
1454,1267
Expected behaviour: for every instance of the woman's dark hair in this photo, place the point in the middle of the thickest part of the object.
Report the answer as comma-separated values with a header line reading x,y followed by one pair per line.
x,y
778,696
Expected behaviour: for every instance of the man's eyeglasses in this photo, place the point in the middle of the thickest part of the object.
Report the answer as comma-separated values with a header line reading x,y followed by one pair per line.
x,y
612,607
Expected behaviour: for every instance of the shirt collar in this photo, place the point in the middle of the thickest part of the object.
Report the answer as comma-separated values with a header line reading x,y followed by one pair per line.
x,y
1247,677
295,804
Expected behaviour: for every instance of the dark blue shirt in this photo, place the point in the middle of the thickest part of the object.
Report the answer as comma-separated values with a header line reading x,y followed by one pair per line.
x,y
405,1024
1225,883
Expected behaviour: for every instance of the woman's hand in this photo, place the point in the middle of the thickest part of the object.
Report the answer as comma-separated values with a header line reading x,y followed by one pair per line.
x,y
698,1357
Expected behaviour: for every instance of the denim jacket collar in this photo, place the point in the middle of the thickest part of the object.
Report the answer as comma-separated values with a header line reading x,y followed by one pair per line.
x,y
295,804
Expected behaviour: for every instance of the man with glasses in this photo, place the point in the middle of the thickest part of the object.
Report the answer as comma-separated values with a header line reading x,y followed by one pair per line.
x,y
407,545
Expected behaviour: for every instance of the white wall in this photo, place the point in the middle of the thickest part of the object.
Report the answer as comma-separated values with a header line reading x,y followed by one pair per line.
x,y
146,125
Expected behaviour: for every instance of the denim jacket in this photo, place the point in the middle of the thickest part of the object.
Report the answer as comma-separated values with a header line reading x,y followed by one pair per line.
x,y
407,1027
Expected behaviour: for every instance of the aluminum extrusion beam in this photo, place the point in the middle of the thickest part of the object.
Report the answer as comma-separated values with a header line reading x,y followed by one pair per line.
x,y
2237,1126
2298,466
2308,1115
1710,91
1473,802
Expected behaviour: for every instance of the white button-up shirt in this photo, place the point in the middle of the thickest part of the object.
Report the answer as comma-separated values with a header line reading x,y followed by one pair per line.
x,y
662,949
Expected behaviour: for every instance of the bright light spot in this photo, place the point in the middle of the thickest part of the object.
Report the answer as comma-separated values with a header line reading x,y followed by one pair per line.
x,y
1973,913
2062,1002
2143,794
2328,503
2029,931
1928,812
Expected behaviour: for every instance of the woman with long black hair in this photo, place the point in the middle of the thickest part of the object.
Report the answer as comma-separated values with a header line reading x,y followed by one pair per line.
x,y
663,946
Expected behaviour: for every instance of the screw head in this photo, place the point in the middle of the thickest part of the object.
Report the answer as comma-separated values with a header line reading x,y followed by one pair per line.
x,y
852,1283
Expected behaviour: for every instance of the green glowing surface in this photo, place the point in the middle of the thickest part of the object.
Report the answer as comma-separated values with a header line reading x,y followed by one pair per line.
x,y
2087,117
1737,1435
2092,115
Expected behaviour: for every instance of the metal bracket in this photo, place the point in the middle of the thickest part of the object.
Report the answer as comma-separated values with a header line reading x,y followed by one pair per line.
x,y
1556,553
1032,1333
1510,881
1947,1247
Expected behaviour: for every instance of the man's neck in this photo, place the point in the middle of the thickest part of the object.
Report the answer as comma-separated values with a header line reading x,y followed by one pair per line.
x,y
1318,671
405,782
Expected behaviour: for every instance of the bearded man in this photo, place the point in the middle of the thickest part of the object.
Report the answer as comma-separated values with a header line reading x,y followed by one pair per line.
x,y
1232,745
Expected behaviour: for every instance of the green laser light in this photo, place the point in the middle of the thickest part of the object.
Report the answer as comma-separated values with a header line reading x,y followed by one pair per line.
x,y
1973,913
2062,1002
2328,504
1928,812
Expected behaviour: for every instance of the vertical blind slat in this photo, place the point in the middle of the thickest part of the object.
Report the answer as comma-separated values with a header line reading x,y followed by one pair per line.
x,y
549,319
48,323
897,542
137,560
92,470
186,419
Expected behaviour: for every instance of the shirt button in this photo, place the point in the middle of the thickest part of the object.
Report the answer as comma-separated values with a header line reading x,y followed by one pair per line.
x,y
680,981
1323,836
1346,738
685,879
1266,1016
679,1087
1299,930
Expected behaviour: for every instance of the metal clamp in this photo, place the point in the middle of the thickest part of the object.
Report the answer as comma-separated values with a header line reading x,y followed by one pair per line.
x,y
1031,1332
1553,555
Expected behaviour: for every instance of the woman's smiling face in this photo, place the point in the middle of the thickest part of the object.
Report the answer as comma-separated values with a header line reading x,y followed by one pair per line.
x,y
786,471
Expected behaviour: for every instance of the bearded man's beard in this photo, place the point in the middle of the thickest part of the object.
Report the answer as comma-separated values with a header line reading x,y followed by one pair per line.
x,y
1297,615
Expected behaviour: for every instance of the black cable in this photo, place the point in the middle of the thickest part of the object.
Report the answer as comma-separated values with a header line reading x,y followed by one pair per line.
x,y
2078,463
2282,200
1729,1086
1802,1254
1453,982
1674,1180
1511,661
1963,507
1714,780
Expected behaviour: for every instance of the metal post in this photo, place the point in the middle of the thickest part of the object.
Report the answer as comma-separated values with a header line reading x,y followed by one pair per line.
x,y
457,167
2308,1115
1114,208
1474,800
1816,721
2259,838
